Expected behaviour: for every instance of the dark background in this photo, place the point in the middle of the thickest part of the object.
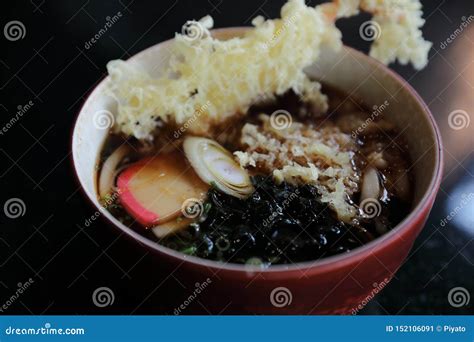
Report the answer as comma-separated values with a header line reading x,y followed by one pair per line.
x,y
52,68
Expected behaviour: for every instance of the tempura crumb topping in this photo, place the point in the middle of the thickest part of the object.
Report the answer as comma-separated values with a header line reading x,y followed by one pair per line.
x,y
301,153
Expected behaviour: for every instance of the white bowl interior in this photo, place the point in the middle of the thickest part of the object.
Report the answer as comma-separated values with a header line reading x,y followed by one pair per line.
x,y
348,70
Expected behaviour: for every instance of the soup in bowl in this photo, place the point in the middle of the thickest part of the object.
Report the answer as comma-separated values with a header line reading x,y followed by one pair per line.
x,y
211,206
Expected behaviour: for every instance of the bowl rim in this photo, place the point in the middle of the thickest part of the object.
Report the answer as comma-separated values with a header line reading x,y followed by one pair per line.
x,y
308,267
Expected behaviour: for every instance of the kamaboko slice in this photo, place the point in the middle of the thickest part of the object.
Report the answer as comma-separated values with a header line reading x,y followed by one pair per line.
x,y
155,189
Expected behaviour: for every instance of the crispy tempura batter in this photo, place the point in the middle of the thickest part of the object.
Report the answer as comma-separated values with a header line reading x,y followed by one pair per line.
x,y
226,77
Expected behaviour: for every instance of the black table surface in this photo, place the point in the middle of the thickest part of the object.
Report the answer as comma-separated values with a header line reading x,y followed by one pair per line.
x,y
52,67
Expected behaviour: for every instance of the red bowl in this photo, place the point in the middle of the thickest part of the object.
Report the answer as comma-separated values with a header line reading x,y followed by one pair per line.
x,y
338,284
